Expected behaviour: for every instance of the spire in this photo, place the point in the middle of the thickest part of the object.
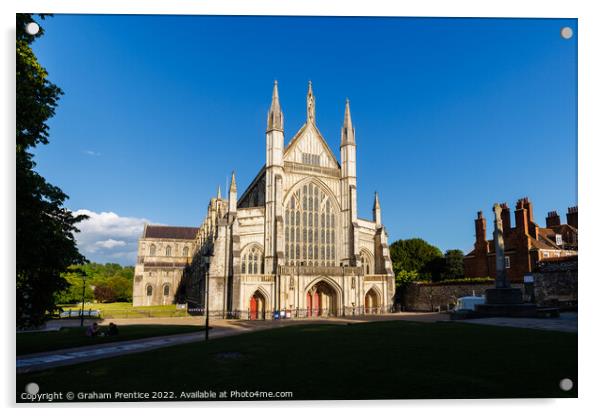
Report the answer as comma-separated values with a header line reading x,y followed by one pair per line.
x,y
275,118
347,132
376,201
232,197
376,210
219,192
311,106
233,183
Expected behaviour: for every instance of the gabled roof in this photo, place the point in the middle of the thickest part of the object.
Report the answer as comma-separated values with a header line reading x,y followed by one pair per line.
x,y
251,186
165,231
543,243
299,134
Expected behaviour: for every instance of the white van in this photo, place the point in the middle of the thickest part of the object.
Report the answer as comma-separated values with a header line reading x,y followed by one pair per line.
x,y
469,303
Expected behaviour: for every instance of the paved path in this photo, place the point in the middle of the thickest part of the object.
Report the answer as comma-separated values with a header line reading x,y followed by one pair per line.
x,y
220,328
566,323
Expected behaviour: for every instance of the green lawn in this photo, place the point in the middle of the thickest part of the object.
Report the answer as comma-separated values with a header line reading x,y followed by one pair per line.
x,y
380,360
126,310
31,342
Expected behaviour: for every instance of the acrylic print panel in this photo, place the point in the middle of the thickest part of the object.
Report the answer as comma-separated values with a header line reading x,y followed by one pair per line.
x,y
295,208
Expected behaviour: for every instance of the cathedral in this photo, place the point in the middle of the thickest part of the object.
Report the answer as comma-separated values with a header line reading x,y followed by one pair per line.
x,y
290,244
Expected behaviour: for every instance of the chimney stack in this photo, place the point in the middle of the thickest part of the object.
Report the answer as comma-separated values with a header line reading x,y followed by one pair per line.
x,y
520,217
571,217
480,225
553,219
506,218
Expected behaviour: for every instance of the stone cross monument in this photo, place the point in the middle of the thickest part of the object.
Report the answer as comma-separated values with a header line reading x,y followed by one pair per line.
x,y
501,279
503,300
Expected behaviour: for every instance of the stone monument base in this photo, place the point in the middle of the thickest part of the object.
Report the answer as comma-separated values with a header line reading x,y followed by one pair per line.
x,y
505,302
516,310
503,296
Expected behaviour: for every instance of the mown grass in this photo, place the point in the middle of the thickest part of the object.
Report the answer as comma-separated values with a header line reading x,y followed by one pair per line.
x,y
127,310
32,342
380,360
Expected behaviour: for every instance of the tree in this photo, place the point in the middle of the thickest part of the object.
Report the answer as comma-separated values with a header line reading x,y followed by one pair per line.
x,y
415,254
73,293
104,293
122,288
454,264
45,243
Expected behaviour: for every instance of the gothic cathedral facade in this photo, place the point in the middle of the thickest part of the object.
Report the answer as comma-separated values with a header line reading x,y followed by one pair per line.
x,y
291,243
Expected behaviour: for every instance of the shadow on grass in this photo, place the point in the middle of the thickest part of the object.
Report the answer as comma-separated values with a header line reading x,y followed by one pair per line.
x,y
381,360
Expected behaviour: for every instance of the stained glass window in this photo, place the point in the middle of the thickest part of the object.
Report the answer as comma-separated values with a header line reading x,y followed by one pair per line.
x,y
310,227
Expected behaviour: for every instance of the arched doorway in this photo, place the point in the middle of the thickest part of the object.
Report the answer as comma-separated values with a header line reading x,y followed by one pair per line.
x,y
321,300
371,302
257,306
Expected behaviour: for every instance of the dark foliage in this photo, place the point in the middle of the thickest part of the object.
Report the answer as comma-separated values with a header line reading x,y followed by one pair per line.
x,y
45,242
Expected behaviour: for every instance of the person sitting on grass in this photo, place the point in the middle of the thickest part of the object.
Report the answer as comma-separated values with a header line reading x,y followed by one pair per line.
x,y
92,330
113,331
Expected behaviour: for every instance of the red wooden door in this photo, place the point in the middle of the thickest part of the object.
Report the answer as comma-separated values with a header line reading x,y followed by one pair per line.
x,y
253,307
316,304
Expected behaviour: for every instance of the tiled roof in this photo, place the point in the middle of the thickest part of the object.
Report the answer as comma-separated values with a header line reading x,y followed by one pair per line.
x,y
543,243
164,231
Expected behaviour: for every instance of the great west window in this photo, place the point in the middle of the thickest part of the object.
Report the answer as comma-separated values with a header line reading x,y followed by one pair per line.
x,y
310,228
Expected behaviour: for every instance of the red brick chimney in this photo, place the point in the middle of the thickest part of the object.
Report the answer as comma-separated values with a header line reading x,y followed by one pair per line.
x,y
506,218
553,219
520,217
529,207
480,225
571,217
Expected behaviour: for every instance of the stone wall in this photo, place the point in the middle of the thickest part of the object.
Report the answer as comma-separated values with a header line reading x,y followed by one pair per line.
x,y
438,296
551,288
556,283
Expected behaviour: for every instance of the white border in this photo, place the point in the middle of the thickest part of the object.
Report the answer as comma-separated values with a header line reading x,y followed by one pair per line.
x,y
590,136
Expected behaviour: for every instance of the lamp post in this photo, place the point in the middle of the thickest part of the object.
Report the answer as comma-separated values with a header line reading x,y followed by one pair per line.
x,y
81,313
206,304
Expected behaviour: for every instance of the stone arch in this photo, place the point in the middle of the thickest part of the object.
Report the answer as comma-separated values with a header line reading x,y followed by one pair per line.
x,y
311,224
258,303
149,291
251,259
323,297
373,300
316,181
367,260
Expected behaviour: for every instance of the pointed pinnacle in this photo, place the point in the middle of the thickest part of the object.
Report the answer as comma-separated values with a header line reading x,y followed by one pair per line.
x,y
219,192
275,118
347,132
376,201
275,107
347,121
233,183
311,105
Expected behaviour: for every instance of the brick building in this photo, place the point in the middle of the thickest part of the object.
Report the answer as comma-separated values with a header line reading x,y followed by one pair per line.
x,y
525,244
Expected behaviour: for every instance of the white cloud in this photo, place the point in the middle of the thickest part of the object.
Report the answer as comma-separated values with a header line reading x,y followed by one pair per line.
x,y
110,243
91,153
108,237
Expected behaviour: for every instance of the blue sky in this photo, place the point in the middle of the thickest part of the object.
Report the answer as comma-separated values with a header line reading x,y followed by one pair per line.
x,y
451,115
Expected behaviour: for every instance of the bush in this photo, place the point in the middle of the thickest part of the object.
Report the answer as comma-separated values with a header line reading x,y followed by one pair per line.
x,y
104,293
465,280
